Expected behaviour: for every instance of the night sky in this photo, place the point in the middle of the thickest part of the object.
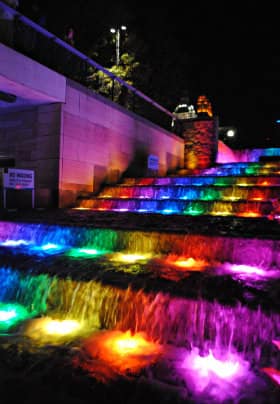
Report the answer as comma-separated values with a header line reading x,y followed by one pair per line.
x,y
226,51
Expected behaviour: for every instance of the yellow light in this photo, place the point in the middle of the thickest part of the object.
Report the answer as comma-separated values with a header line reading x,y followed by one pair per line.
x,y
46,330
190,262
127,344
221,213
129,258
231,198
61,327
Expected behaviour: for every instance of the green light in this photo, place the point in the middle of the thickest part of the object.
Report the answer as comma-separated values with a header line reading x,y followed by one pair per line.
x,y
195,209
11,314
210,195
222,181
252,170
85,252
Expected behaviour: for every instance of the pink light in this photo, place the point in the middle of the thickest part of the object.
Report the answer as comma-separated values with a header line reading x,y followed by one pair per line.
x,y
206,364
219,377
250,270
276,343
274,374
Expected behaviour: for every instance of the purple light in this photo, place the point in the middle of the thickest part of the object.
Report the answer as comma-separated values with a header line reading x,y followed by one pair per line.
x,y
249,271
219,376
204,365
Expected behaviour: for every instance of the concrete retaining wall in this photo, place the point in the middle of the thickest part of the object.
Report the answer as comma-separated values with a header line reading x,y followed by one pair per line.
x,y
101,141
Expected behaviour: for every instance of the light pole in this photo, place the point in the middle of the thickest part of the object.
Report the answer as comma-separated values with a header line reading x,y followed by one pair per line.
x,y
117,31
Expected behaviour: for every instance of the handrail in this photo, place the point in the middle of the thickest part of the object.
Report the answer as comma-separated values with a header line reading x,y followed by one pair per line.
x,y
85,58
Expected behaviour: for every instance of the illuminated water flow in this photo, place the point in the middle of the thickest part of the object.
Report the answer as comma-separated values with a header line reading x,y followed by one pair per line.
x,y
11,314
120,352
217,376
211,303
124,246
234,186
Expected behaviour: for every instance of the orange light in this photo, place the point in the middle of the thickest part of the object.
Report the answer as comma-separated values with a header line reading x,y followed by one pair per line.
x,y
119,352
248,214
190,263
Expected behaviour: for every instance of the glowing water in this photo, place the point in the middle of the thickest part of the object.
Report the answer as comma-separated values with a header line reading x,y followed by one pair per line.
x,y
120,352
82,242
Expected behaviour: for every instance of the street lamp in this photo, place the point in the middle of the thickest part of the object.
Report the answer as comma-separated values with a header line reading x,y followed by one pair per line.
x,y
117,31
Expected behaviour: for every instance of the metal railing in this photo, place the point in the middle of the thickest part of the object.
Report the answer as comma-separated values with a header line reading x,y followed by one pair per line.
x,y
36,42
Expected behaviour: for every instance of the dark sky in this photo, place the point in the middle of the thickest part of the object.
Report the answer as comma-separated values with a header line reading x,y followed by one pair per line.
x,y
227,51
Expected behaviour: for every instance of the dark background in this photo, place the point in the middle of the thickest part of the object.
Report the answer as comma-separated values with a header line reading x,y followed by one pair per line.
x,y
227,51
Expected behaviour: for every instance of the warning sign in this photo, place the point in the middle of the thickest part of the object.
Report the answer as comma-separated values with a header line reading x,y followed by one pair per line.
x,y
19,179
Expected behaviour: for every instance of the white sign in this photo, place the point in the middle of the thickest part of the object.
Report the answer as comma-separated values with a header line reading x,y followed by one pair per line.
x,y
19,179
152,162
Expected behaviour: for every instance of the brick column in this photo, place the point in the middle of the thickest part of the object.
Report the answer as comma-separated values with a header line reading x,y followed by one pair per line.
x,y
201,142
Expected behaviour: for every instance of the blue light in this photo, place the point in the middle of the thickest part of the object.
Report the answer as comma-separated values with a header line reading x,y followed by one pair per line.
x,y
48,248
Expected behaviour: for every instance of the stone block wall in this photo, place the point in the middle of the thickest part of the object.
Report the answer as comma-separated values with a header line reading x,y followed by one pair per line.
x,y
201,143
30,136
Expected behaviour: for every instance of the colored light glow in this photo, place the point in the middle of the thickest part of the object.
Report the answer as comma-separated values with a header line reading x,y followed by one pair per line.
x,y
121,352
61,327
231,198
194,211
218,377
7,315
276,343
169,211
210,195
188,263
14,243
11,314
129,258
264,183
48,248
221,213
250,271
248,214
257,198
274,374
243,184
85,252
81,208
223,369
47,330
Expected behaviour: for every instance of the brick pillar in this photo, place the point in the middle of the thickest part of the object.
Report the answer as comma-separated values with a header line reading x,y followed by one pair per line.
x,y
201,142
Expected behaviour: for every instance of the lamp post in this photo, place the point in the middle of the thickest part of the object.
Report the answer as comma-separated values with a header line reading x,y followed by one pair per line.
x,y
117,31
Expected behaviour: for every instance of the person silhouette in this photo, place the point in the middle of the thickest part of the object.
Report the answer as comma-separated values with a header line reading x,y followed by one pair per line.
x,y
69,36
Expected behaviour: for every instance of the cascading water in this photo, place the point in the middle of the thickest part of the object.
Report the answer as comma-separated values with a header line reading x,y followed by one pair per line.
x,y
168,306
219,191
